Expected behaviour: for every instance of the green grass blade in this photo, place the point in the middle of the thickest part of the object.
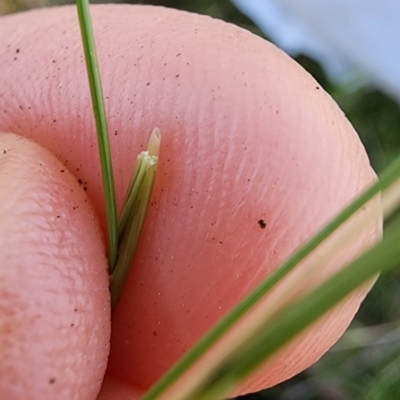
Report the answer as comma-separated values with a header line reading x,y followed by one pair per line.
x,y
101,128
387,178
294,318
123,236
141,167
133,213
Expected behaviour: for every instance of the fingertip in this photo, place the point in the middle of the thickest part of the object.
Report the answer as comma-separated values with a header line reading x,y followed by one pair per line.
x,y
54,299
247,137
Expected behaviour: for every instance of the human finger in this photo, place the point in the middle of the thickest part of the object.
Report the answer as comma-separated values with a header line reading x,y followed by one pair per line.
x,y
54,299
255,158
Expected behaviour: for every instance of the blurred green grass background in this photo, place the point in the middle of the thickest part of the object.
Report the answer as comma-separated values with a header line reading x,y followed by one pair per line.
x,y
365,363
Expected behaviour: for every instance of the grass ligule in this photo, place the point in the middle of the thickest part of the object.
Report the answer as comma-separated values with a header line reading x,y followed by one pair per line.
x,y
133,212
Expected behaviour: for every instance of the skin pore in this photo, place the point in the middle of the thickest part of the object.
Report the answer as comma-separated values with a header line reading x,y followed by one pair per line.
x,y
247,136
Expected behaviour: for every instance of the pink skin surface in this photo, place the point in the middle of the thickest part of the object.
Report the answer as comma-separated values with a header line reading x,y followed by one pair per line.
x,y
255,158
54,307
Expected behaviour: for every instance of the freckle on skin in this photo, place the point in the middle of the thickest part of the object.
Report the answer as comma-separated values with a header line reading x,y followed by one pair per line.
x,y
262,223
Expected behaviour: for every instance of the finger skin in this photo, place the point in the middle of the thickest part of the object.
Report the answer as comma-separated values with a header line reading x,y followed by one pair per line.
x,y
54,299
255,158
114,389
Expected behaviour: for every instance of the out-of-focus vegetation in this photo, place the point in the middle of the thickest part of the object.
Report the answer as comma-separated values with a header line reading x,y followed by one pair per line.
x,y
365,363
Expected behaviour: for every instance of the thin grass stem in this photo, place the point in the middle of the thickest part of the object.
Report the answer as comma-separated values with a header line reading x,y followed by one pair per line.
x,y
101,128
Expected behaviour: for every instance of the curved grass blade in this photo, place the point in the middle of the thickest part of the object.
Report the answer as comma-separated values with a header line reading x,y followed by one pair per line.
x,y
387,178
133,213
101,128
390,203
287,323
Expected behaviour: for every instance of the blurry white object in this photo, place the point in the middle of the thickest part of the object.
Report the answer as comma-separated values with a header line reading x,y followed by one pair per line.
x,y
348,37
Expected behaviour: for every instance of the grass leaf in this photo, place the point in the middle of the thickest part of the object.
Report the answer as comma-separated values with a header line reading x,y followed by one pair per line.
x,y
101,128
123,235
133,213
286,324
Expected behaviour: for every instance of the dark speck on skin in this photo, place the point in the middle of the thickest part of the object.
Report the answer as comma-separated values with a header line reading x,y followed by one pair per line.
x,y
4,151
317,87
262,223
52,380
